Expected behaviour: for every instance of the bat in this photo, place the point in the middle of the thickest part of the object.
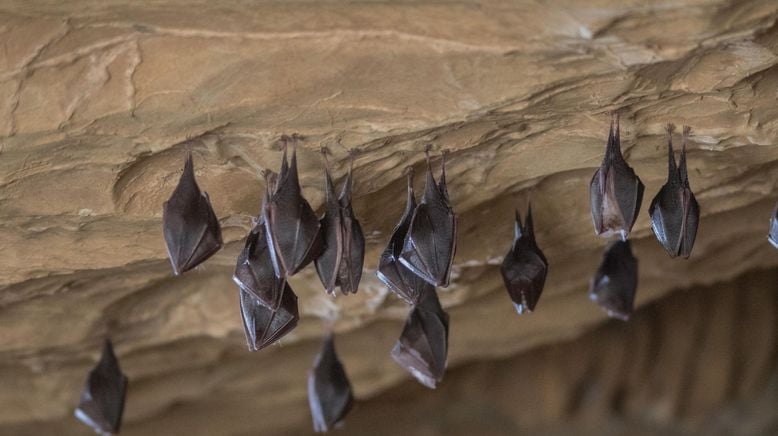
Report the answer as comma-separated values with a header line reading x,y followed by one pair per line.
x,y
674,211
398,278
615,192
524,268
423,344
102,400
264,326
340,263
773,236
289,220
614,284
430,244
329,390
255,270
191,229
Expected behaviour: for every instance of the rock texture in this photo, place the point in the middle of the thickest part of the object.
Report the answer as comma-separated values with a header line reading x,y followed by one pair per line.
x,y
101,100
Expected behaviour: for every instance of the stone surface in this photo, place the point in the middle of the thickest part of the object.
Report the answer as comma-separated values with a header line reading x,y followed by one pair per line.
x,y
101,100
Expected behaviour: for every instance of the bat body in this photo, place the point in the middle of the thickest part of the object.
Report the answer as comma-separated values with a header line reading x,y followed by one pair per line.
x,y
674,211
290,221
773,236
254,272
264,326
396,276
190,227
340,262
329,390
422,348
524,268
614,284
102,400
430,244
615,191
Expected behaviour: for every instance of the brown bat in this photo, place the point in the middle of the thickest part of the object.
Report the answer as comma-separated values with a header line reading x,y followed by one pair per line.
x,y
674,211
102,400
396,276
615,192
191,229
289,219
524,268
431,241
329,390
614,284
340,263
264,326
423,345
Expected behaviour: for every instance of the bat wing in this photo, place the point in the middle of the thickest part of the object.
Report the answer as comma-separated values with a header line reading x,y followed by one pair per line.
x,y
329,390
328,261
596,198
628,194
190,227
667,217
773,235
350,272
102,400
430,243
614,284
524,268
691,221
294,227
423,345
264,326
254,271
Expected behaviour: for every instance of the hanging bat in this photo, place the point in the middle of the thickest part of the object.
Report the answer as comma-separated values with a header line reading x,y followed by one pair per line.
x,y
340,263
102,400
674,211
255,270
264,326
289,219
773,236
525,267
430,244
615,192
191,230
615,282
329,390
398,278
423,344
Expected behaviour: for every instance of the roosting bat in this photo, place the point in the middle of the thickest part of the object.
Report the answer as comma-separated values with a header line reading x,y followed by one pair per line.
x,y
329,391
615,282
423,345
264,326
340,263
191,230
615,192
102,400
674,211
773,236
396,276
290,221
254,271
431,241
525,267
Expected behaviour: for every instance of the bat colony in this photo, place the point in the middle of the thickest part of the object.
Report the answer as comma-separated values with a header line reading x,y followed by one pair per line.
x,y
287,236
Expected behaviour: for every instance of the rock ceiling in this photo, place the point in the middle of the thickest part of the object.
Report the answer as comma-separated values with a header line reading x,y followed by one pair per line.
x,y
101,100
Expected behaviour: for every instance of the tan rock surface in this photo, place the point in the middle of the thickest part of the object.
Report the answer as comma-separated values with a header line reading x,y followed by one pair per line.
x,y
100,100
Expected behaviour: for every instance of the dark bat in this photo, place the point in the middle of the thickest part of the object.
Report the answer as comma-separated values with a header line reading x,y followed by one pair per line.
x,y
773,236
192,232
255,270
289,219
674,211
396,276
340,263
615,192
423,345
525,267
264,326
431,242
615,282
102,400
329,390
